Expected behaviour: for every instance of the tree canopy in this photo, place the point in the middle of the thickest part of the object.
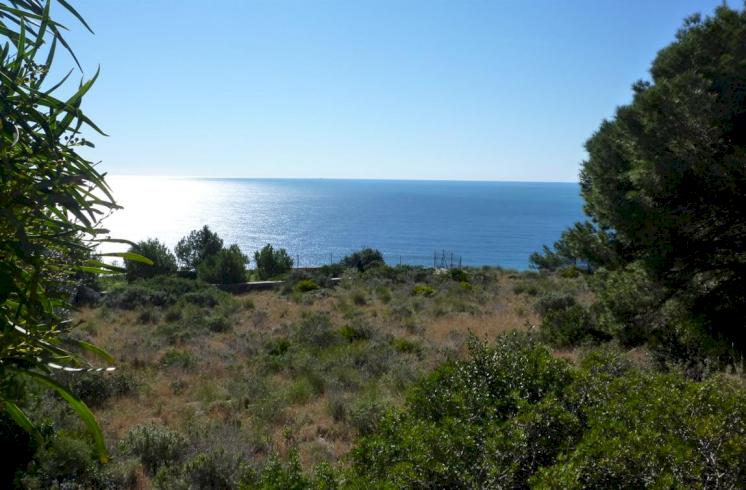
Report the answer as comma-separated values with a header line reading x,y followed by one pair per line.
x,y
665,181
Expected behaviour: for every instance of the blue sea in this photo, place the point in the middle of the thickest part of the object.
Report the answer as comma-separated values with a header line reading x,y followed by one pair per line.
x,y
318,221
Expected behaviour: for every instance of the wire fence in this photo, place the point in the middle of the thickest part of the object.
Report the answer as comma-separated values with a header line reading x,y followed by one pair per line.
x,y
441,259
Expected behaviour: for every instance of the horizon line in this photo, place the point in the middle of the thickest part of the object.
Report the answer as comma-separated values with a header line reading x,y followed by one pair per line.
x,y
364,179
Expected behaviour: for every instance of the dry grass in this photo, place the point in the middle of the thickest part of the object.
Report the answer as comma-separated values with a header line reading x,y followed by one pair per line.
x,y
225,364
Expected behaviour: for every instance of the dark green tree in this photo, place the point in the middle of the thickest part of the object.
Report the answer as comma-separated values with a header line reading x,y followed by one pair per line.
x,y
192,249
271,262
163,260
665,183
228,266
364,259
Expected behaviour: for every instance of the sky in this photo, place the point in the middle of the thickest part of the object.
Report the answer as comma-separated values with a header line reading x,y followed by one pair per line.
x,y
456,90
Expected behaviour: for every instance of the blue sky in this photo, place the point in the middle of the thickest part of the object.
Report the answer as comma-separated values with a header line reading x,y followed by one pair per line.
x,y
467,90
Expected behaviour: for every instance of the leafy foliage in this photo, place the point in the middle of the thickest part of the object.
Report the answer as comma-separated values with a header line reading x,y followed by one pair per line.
x,y
271,262
194,248
227,266
163,261
363,259
52,201
513,416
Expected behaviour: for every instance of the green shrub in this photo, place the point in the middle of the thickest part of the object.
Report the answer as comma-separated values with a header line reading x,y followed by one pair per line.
x,y
218,323
96,388
459,275
356,332
306,285
196,247
228,266
215,469
156,446
316,330
164,261
277,347
406,346
364,259
567,327
423,290
271,263
358,297
554,302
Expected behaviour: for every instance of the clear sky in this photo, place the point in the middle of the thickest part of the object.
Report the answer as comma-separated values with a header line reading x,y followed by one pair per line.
x,y
472,90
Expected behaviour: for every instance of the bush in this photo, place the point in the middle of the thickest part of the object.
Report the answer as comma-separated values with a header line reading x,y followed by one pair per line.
x,y
423,290
514,416
271,263
156,446
228,266
96,388
459,275
553,302
364,259
316,330
217,323
567,327
306,285
196,247
164,261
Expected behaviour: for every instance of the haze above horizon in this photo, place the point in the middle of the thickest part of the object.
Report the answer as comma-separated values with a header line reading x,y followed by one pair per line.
x,y
496,91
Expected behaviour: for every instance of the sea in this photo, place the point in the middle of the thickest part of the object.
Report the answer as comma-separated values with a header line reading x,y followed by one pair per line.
x,y
429,223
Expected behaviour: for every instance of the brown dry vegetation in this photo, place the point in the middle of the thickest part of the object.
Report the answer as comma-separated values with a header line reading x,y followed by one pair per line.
x,y
257,386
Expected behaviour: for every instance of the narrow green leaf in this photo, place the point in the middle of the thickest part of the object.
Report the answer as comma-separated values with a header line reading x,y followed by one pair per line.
x,y
22,420
80,408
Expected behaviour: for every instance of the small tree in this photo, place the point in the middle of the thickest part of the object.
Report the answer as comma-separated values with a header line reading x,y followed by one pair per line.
x,y
197,246
164,261
271,262
364,259
228,266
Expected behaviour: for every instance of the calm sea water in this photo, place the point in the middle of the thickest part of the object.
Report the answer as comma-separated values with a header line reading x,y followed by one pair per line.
x,y
483,223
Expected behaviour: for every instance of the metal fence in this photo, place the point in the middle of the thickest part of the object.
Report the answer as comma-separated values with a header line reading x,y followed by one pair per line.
x,y
445,259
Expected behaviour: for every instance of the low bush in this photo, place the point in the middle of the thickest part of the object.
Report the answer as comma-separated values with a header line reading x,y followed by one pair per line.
x,y
364,259
423,290
96,388
514,416
155,445
459,275
306,285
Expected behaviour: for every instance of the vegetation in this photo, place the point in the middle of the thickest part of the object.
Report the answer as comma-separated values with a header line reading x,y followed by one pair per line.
x,y
663,185
363,259
614,366
196,247
272,263
163,261
52,200
227,266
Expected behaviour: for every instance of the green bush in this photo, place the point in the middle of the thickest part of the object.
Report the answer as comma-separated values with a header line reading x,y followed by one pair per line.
x,y
316,330
96,388
568,326
306,285
156,446
364,259
459,275
196,247
423,290
218,323
406,346
514,416
164,261
228,266
353,333
271,263
554,302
